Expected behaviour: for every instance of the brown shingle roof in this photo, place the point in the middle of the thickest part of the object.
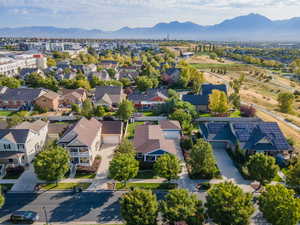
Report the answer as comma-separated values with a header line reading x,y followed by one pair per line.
x,y
169,125
51,95
35,126
112,127
148,138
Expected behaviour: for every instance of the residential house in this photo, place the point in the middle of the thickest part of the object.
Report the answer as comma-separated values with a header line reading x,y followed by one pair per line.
x,y
150,99
83,140
112,132
132,75
170,128
201,101
89,69
19,145
73,96
171,75
19,98
150,143
67,76
109,64
110,96
48,101
250,136
102,75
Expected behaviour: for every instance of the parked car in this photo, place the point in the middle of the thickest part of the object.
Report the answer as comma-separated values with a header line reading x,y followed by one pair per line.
x,y
24,217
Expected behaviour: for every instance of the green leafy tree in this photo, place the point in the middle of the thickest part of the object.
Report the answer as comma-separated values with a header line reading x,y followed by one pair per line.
x,y
2,199
179,205
100,111
181,115
126,147
52,163
293,177
75,108
279,206
262,168
139,207
167,166
51,62
143,83
15,120
87,108
218,102
10,82
126,110
286,101
123,167
227,204
202,160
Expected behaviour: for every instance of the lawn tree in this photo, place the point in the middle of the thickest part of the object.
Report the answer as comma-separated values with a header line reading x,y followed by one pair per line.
x,y
143,83
167,166
218,102
52,164
99,111
227,204
262,168
10,82
51,62
293,177
236,85
279,205
286,101
126,110
14,120
139,207
123,167
2,199
75,108
202,160
179,205
181,115
87,108
126,147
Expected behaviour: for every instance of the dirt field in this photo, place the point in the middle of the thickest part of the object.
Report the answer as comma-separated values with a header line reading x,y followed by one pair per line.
x,y
206,59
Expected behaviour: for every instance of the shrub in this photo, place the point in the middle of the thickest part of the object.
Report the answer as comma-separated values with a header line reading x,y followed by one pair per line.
x,y
247,111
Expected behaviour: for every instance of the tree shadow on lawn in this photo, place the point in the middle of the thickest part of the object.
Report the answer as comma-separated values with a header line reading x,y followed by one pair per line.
x,y
86,206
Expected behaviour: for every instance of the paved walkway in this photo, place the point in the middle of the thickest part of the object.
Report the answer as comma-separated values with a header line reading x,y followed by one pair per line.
x,y
26,182
100,181
8,181
229,171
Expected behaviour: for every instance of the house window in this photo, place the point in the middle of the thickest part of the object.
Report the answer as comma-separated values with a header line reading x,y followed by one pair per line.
x,y
10,160
84,160
150,158
20,146
7,146
73,150
140,155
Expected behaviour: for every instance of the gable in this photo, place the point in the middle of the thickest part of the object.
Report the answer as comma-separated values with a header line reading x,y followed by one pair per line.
x,y
158,152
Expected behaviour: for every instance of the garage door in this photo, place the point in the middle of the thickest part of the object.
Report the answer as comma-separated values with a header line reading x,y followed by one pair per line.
x,y
111,139
218,145
172,134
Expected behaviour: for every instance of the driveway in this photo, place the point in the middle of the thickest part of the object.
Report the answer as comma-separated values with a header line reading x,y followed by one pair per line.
x,y
26,182
229,171
106,153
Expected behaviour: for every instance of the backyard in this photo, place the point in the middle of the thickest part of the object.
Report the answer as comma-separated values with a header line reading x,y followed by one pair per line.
x,y
131,129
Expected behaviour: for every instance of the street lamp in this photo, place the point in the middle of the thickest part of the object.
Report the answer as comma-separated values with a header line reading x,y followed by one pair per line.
x,y
45,212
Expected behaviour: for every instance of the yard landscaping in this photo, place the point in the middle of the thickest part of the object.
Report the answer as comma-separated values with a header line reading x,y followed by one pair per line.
x,y
82,175
6,113
131,129
148,186
64,186
145,174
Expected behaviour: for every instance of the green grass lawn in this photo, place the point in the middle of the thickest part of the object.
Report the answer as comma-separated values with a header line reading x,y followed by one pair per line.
x,y
145,174
149,114
131,129
7,186
6,113
149,186
236,114
64,186
85,175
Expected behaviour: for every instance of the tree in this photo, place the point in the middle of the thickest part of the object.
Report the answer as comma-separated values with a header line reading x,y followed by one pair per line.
x,y
10,82
75,108
279,206
143,83
202,160
52,163
14,120
51,62
2,199
262,168
126,110
139,207
293,177
87,108
126,147
167,166
218,102
100,111
123,167
227,204
286,101
181,115
180,205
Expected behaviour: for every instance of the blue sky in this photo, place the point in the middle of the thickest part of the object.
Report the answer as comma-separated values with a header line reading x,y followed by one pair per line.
x,y
114,14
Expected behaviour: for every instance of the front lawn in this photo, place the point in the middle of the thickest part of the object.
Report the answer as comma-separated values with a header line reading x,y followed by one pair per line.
x,y
148,186
64,186
6,113
145,174
82,175
131,129
149,114
235,114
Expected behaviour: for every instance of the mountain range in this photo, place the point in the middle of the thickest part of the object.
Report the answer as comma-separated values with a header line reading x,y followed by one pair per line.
x,y
252,27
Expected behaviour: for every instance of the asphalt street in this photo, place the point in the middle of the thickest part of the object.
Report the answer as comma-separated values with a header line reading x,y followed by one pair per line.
x,y
65,207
